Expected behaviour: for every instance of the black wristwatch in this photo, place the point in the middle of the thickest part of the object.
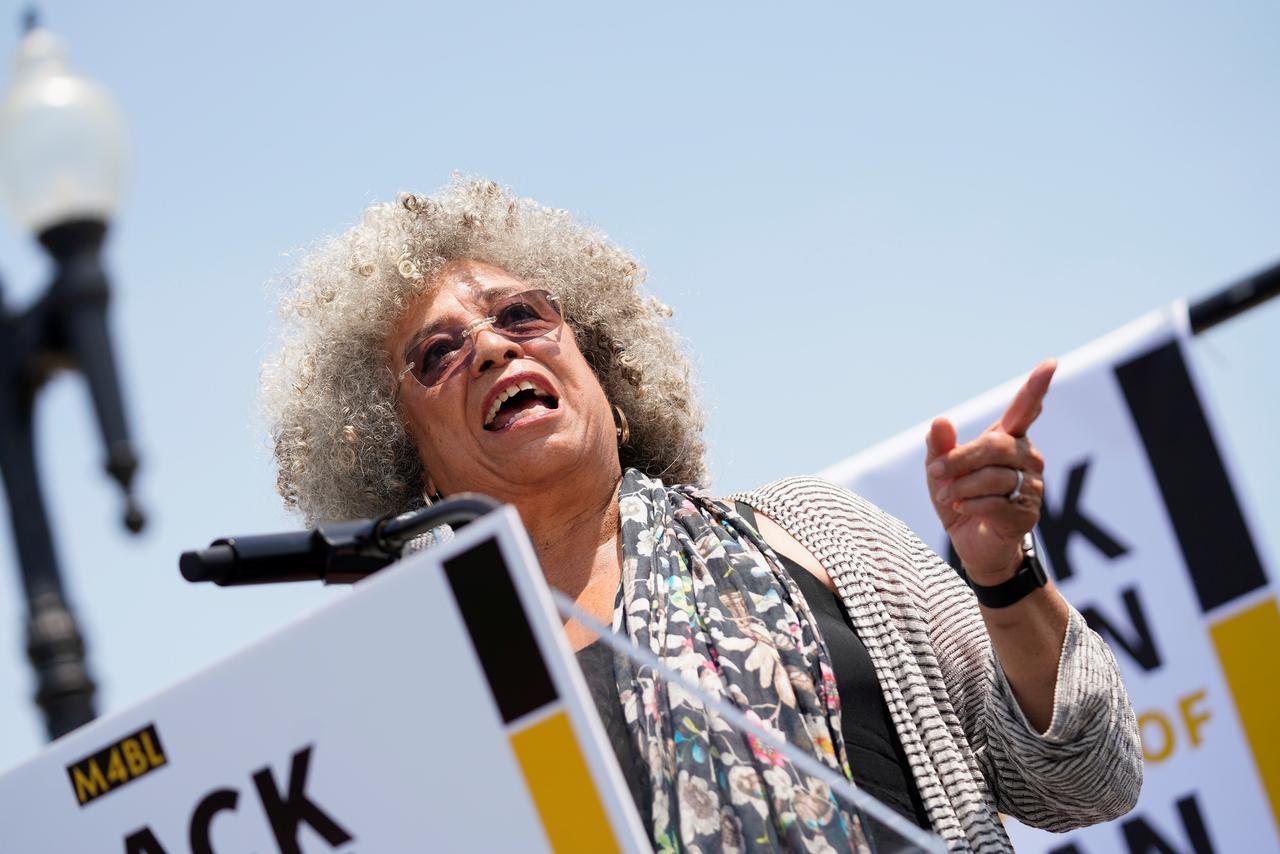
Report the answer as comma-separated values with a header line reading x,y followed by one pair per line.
x,y
1030,576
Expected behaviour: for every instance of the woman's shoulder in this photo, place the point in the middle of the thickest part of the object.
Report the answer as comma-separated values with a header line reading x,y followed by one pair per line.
x,y
824,515
813,499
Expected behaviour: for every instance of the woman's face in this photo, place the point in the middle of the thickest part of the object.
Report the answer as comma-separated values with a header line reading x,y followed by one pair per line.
x,y
516,416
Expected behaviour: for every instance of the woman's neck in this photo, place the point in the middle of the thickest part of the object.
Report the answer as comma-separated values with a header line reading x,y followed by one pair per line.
x,y
575,539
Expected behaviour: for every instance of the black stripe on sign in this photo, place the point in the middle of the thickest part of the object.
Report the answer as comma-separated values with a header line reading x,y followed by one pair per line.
x,y
500,632
1206,516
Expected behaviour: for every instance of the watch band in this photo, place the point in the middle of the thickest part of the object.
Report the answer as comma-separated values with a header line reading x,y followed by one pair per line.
x,y
1029,578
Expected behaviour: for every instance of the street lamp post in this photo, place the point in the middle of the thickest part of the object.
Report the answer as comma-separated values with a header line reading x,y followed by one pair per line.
x,y
62,152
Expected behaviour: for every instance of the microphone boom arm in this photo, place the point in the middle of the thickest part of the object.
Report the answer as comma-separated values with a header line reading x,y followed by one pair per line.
x,y
335,553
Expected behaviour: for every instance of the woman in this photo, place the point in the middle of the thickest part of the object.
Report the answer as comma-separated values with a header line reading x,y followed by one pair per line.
x,y
473,341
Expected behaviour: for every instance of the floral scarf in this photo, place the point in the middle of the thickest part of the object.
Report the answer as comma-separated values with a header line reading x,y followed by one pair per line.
x,y
704,593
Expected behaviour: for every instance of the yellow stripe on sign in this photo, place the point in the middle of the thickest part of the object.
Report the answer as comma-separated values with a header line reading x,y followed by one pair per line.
x,y
1247,645
561,785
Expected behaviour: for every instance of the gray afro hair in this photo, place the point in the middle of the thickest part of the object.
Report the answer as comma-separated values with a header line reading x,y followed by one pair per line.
x,y
328,392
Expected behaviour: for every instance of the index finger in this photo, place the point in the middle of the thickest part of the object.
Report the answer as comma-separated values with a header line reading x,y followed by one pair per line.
x,y
1025,407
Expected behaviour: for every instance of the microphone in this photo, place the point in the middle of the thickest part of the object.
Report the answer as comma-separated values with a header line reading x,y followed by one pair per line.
x,y
335,553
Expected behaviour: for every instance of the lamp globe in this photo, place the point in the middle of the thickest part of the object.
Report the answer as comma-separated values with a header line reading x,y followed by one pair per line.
x,y
63,145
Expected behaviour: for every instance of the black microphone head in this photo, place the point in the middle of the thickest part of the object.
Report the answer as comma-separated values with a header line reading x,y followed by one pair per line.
x,y
216,564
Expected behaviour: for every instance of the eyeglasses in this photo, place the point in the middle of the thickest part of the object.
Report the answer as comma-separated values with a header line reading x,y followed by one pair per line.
x,y
517,317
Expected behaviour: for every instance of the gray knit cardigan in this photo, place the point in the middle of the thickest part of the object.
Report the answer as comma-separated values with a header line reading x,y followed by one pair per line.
x,y
971,750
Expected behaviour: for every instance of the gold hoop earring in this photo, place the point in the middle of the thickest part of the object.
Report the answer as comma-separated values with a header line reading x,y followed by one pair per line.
x,y
623,429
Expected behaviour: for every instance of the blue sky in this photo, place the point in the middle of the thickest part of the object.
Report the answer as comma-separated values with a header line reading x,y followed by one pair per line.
x,y
861,213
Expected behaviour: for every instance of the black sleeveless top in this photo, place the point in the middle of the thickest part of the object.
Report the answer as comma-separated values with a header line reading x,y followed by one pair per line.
x,y
876,757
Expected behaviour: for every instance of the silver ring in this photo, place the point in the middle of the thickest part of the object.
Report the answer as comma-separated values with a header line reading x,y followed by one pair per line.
x,y
1018,487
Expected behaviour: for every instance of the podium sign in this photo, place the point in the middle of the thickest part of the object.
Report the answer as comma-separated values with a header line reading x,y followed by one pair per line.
x,y
437,707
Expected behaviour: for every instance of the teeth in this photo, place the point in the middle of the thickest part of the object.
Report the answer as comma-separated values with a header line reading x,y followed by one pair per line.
x,y
508,392
524,414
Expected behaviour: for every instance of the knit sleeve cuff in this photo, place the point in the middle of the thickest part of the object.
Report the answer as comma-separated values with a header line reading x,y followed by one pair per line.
x,y
1081,691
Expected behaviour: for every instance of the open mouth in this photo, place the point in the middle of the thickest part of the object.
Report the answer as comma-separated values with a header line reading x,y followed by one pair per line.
x,y
516,402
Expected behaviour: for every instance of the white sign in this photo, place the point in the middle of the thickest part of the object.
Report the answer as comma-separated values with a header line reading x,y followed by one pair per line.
x,y
376,724
1145,535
